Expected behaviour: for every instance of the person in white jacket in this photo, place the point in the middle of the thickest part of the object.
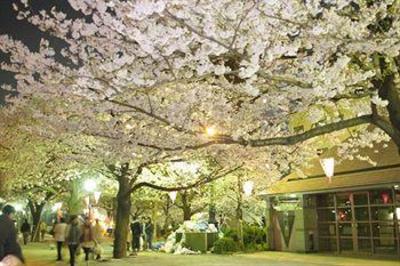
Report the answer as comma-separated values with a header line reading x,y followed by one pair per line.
x,y
59,236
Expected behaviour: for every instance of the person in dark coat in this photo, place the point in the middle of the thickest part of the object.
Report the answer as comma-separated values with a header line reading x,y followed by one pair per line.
x,y
136,228
8,235
73,235
148,230
26,231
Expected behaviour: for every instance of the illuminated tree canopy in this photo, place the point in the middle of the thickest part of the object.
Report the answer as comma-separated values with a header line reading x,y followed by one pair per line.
x,y
261,83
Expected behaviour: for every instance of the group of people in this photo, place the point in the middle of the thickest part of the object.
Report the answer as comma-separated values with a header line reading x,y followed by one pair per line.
x,y
142,228
76,235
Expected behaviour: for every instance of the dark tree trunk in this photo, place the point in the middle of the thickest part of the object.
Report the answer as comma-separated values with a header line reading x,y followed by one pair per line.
x,y
123,213
36,212
186,206
212,214
187,213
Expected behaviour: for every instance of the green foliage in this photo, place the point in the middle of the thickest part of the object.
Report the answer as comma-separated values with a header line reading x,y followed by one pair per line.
x,y
253,236
231,233
225,245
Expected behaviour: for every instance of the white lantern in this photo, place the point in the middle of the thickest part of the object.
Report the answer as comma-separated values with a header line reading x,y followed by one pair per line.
x,y
172,195
97,195
248,187
328,165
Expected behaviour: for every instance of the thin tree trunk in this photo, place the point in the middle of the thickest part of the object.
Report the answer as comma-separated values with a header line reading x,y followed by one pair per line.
x,y
186,206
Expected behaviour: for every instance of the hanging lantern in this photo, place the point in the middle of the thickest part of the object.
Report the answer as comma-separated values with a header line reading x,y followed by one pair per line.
x,y
385,197
248,187
97,195
172,195
328,165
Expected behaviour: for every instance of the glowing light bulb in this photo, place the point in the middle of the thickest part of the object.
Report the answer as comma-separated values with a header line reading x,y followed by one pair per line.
x,y
248,187
89,185
210,131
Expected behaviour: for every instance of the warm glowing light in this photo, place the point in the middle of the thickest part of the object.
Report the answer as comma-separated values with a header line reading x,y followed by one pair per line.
x,y
89,185
97,195
328,165
172,195
248,187
211,131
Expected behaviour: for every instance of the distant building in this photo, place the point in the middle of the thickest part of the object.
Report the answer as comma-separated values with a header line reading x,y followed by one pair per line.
x,y
357,212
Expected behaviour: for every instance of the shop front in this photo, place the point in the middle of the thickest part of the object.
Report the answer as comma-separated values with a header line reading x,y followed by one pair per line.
x,y
354,213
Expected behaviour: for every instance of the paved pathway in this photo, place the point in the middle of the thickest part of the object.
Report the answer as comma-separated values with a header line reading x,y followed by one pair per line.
x,y
41,255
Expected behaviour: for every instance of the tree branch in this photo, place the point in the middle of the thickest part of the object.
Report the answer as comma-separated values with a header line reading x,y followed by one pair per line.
x,y
199,182
284,141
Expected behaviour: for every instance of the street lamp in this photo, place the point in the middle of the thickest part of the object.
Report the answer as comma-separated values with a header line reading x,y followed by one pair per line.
x,y
90,186
248,188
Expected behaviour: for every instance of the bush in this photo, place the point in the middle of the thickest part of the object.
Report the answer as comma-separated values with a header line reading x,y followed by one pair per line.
x,y
231,233
253,235
225,245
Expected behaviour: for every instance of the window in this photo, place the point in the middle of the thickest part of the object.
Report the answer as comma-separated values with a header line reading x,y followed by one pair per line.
x,y
381,196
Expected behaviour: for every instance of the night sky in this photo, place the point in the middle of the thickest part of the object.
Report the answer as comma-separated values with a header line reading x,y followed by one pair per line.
x,y
25,32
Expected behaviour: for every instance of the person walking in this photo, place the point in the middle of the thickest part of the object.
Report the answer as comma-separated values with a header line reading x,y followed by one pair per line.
x,y
136,229
73,235
88,240
26,231
43,230
59,236
9,246
98,236
148,230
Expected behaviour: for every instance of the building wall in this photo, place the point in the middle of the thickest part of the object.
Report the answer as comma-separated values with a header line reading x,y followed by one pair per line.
x,y
303,231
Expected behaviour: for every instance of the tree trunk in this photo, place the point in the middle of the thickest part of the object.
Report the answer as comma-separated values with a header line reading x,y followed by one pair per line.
x,y
122,216
187,213
36,212
212,212
186,206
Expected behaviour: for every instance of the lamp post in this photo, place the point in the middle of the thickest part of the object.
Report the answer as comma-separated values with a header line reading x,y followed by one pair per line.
x,y
90,187
248,188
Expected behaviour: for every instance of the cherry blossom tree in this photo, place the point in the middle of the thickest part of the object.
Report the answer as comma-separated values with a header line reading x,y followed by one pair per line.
x,y
32,169
157,79
186,65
